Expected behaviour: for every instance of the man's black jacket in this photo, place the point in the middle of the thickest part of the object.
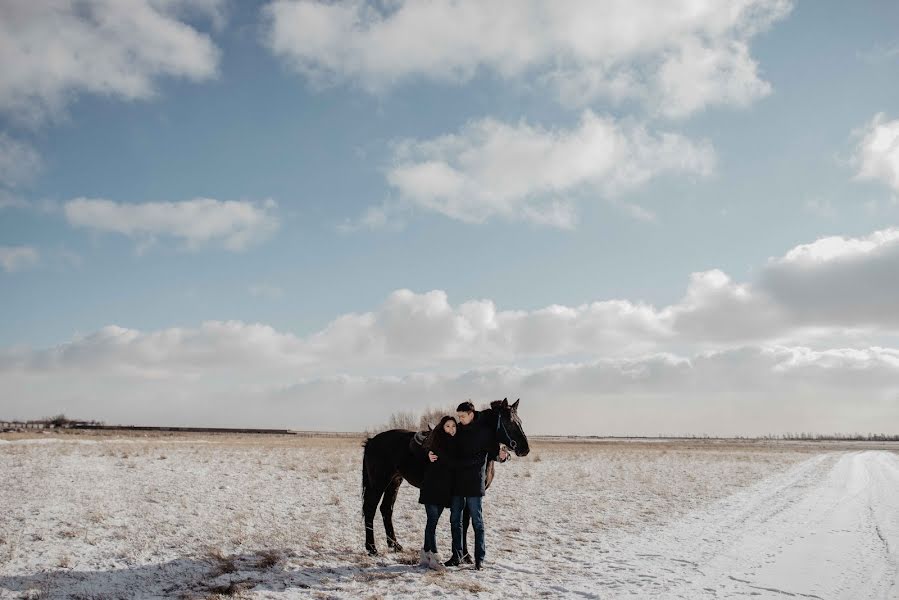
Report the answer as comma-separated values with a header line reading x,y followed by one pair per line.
x,y
475,442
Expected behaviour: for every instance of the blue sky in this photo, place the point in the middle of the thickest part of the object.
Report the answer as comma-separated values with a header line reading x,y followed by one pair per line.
x,y
304,128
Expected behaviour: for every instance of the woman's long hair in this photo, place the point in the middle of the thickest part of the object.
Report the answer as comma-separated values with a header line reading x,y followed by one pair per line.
x,y
438,439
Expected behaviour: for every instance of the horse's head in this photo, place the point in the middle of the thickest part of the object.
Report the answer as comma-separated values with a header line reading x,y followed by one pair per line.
x,y
509,428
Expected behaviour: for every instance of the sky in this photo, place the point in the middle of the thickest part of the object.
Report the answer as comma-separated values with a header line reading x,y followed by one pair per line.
x,y
674,217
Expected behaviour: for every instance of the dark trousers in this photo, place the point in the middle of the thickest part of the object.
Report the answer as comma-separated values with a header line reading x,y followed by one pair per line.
x,y
433,512
477,520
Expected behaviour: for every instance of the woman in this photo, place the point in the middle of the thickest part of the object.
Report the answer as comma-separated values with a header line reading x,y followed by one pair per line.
x,y
437,487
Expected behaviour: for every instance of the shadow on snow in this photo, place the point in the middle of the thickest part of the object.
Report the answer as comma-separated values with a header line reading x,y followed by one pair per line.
x,y
197,577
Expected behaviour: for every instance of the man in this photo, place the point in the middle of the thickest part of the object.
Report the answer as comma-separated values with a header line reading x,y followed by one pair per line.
x,y
476,442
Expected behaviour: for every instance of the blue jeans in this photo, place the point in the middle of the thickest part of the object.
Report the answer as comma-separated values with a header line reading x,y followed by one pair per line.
x,y
477,521
433,511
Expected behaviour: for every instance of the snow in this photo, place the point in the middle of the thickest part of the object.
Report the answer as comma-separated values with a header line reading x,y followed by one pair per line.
x,y
280,517
828,528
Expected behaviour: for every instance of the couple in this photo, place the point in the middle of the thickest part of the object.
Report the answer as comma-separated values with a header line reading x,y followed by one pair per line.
x,y
457,453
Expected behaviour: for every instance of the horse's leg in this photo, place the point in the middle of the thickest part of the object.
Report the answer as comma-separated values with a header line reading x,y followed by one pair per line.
x,y
387,511
374,481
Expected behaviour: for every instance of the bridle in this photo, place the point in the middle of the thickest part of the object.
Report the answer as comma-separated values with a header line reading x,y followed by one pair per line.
x,y
512,444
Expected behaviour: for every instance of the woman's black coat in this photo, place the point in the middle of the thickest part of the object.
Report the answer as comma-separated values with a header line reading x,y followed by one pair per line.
x,y
437,486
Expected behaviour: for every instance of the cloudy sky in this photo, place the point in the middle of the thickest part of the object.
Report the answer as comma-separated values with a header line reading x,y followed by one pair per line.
x,y
665,217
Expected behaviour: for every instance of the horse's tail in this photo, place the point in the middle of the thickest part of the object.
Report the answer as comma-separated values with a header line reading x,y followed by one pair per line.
x,y
365,481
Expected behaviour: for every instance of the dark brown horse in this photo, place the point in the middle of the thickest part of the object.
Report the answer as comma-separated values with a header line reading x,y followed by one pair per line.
x,y
389,458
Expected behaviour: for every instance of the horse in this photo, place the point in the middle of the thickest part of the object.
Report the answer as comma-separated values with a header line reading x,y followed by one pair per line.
x,y
389,458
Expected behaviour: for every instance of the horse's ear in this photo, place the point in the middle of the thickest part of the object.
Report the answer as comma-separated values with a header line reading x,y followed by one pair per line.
x,y
515,405
430,428
505,402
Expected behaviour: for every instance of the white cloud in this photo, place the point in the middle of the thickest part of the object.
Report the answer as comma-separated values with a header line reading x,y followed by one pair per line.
x,y
834,291
838,248
747,390
838,281
698,75
830,287
877,153
52,50
19,162
837,301
525,172
18,258
176,352
676,56
717,309
621,367
425,329
408,330
197,222
817,320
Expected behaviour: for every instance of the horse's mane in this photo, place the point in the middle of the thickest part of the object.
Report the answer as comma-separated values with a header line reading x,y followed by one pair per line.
x,y
495,409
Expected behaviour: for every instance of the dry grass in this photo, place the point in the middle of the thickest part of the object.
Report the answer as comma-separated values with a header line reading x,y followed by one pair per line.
x,y
408,557
221,563
37,593
230,589
472,587
268,559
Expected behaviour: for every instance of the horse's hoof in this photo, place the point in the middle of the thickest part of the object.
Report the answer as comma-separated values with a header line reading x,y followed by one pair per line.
x,y
395,546
372,551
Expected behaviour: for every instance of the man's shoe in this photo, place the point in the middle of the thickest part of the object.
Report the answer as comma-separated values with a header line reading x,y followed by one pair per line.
x,y
466,558
423,558
452,562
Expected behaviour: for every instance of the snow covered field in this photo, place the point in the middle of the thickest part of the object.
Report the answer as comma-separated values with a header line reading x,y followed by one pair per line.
x,y
280,517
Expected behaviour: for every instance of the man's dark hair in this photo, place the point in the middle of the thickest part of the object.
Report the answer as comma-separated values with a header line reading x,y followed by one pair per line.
x,y
466,406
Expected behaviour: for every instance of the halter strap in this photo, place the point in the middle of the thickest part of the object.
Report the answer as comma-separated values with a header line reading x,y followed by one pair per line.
x,y
500,426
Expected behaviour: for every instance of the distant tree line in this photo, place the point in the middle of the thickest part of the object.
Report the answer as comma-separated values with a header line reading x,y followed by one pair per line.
x,y
839,437
63,421
413,421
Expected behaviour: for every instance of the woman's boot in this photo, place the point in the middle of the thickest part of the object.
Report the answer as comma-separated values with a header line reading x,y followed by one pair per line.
x,y
435,563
